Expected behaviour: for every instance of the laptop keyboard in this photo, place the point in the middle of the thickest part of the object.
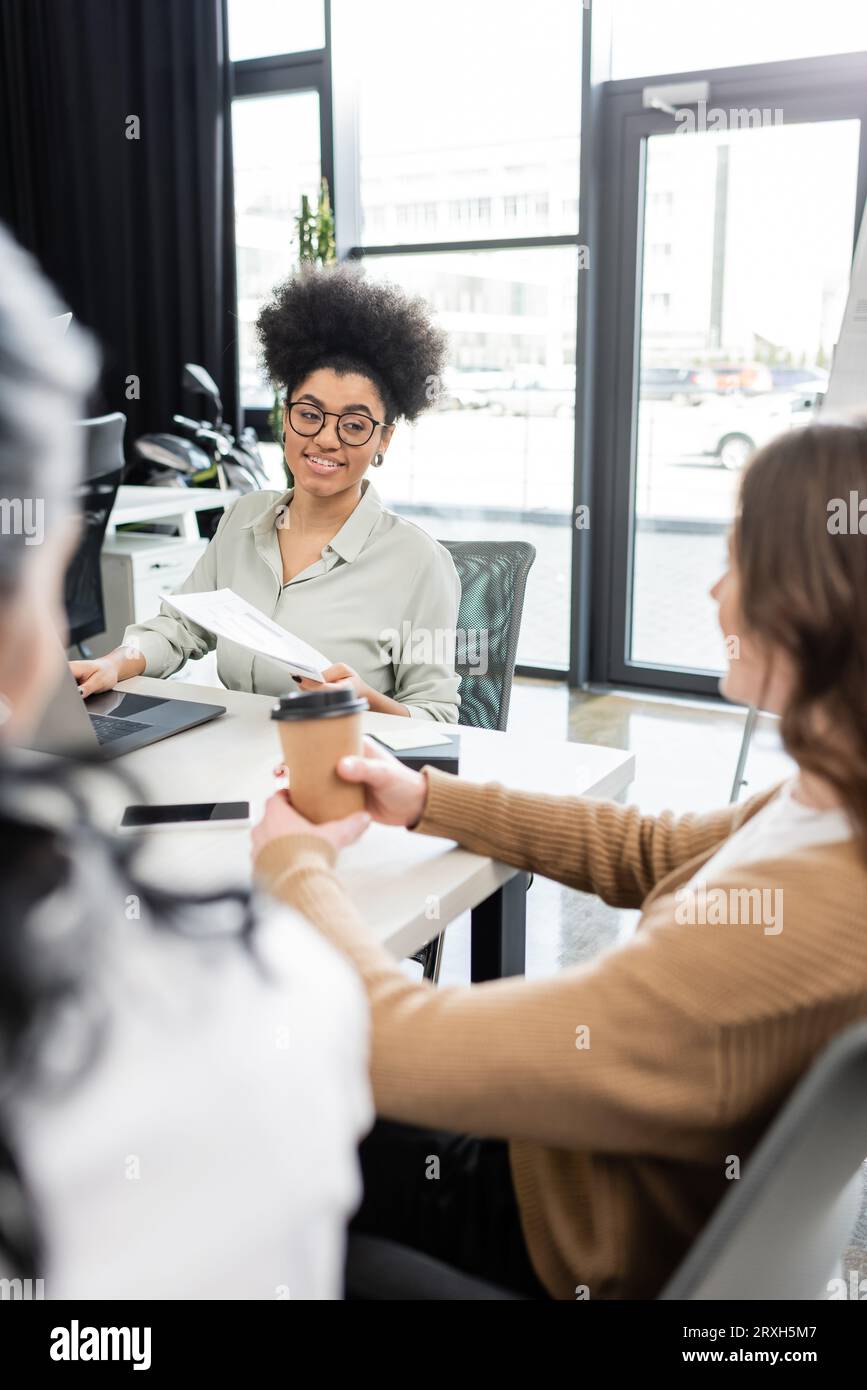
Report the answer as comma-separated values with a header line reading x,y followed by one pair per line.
x,y
107,729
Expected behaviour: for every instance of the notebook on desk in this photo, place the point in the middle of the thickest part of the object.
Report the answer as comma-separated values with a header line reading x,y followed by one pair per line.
x,y
420,747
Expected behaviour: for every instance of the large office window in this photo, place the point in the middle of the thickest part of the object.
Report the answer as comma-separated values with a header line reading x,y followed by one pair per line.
x,y
277,159
467,131
468,120
262,28
669,36
494,459
720,259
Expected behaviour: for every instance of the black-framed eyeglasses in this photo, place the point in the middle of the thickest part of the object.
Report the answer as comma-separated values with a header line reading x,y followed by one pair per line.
x,y
353,429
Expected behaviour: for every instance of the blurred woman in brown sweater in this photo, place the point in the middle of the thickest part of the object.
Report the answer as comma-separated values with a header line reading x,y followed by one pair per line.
x,y
585,1124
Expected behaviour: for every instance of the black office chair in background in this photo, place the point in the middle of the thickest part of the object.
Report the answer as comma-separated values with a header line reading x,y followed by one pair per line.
x,y
94,498
493,577
778,1233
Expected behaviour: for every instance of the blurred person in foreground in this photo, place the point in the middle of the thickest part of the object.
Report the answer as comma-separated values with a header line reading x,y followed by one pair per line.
x,y
182,1080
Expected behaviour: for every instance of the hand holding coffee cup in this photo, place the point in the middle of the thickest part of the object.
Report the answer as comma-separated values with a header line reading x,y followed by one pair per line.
x,y
317,729
280,819
394,794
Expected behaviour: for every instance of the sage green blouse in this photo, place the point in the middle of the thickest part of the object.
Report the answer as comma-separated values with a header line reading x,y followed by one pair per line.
x,y
382,597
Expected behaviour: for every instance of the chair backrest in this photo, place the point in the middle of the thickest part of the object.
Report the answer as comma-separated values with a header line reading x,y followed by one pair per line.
x,y
94,497
493,577
781,1229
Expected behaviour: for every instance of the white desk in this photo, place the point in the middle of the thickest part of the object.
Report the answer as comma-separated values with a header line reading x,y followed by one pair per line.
x,y
397,880
177,504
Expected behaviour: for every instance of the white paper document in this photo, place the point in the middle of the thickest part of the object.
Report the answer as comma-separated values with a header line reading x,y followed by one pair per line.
x,y
226,614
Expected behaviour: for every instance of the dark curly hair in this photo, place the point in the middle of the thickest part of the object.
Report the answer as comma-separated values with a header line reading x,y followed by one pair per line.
x,y
333,317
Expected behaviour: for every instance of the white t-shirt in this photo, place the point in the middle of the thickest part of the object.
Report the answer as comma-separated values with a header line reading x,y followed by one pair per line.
x,y
781,828
210,1149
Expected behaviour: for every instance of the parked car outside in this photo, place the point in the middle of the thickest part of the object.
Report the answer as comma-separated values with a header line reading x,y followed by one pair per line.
x,y
682,385
735,430
536,391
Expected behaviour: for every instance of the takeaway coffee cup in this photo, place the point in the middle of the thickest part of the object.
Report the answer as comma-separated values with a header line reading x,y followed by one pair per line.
x,y
317,728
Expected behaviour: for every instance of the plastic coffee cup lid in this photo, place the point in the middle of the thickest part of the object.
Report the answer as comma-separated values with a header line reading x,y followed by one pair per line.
x,y
318,704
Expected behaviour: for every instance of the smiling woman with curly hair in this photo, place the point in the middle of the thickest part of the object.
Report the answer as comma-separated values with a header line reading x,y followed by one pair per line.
x,y
336,319
326,559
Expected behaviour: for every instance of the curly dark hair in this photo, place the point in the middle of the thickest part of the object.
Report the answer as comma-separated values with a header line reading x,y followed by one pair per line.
x,y
331,316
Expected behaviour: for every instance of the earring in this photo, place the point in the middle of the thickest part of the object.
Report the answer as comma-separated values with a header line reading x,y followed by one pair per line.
x,y
377,460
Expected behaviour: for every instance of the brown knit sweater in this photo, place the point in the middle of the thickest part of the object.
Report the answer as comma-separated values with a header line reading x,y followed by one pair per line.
x,y
626,1087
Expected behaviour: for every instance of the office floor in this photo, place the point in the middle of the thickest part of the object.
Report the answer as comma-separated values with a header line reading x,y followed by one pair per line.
x,y
685,760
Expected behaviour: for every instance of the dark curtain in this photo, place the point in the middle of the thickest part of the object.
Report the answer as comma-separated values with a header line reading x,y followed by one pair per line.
x,y
136,233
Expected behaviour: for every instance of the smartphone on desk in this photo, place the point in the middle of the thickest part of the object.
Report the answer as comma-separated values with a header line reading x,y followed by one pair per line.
x,y
195,815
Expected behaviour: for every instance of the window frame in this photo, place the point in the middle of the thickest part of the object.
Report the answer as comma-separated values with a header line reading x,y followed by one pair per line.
x,y
809,90
279,75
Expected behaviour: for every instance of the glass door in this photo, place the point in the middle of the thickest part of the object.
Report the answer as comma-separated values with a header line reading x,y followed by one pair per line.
x,y
727,242
745,261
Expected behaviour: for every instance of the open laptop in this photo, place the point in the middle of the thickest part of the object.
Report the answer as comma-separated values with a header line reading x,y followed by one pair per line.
x,y
112,723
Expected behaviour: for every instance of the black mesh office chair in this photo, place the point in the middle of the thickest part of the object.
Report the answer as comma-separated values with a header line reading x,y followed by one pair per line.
x,y
94,498
778,1232
493,577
